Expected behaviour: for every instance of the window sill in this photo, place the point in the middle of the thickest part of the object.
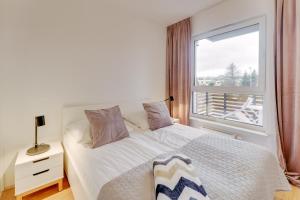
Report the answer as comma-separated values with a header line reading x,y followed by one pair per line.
x,y
225,128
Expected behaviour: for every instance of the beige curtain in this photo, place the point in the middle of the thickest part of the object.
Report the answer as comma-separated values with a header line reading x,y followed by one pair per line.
x,y
288,86
179,69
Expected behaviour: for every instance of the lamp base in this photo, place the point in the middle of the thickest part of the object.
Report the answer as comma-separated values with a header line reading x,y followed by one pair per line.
x,y
41,148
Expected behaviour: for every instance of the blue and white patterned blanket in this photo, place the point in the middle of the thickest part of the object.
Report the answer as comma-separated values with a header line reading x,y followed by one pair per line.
x,y
176,179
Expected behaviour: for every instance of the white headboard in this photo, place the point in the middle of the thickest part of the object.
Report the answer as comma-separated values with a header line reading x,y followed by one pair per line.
x,y
75,113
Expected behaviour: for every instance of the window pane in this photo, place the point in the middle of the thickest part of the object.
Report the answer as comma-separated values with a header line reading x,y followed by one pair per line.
x,y
234,107
228,59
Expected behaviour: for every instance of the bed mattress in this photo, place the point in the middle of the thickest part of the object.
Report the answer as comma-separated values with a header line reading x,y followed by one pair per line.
x,y
95,167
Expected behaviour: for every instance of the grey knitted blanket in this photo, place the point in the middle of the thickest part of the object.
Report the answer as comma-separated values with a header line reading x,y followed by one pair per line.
x,y
228,169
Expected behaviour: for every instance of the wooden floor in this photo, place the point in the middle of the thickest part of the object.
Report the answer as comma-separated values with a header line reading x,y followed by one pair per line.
x,y
52,193
294,194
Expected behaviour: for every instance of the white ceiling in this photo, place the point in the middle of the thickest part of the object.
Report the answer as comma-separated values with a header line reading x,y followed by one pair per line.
x,y
165,12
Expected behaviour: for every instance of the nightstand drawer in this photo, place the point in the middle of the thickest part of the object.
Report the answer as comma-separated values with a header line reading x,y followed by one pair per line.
x,y
38,178
29,168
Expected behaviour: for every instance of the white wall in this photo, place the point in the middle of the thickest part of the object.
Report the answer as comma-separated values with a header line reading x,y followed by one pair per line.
x,y
1,156
63,52
233,11
1,168
1,163
1,94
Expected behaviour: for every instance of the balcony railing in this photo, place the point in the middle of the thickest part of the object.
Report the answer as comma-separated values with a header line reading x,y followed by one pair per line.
x,y
235,107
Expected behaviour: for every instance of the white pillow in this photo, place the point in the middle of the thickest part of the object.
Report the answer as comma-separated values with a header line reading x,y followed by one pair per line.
x,y
80,130
130,127
139,119
136,115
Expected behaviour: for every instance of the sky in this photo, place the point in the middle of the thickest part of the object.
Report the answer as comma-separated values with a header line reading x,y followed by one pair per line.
x,y
212,58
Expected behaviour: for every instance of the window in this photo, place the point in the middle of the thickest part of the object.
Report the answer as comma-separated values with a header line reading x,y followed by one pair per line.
x,y
229,75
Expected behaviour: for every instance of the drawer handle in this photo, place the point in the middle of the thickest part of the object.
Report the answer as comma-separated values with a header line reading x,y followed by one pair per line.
x,y
36,161
41,172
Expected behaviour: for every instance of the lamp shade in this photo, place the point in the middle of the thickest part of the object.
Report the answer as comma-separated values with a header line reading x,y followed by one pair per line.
x,y
171,98
40,120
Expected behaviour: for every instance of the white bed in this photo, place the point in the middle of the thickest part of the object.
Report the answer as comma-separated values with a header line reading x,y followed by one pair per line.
x,y
95,167
88,170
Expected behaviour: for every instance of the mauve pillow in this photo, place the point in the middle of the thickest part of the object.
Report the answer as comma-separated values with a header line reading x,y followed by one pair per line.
x,y
107,126
158,115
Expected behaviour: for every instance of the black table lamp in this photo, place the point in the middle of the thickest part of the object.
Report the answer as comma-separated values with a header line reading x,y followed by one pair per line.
x,y
38,148
171,98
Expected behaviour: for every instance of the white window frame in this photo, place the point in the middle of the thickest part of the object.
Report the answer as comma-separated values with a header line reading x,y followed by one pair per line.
x,y
260,90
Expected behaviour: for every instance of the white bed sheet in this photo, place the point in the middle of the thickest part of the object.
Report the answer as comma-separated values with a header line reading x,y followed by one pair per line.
x,y
178,135
95,167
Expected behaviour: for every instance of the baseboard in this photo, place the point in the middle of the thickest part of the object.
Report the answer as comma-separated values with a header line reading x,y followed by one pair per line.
x,y
9,187
1,187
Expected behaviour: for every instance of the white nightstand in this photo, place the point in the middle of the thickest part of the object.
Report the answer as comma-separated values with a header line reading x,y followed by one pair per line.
x,y
33,173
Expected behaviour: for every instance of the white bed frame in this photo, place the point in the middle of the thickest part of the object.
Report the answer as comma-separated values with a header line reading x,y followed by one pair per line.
x,y
71,114
78,189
